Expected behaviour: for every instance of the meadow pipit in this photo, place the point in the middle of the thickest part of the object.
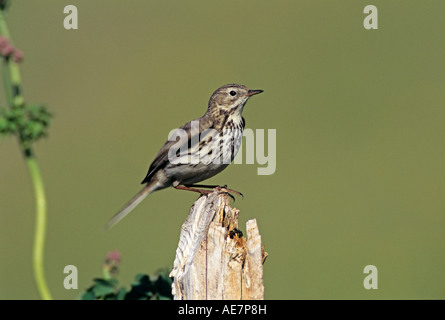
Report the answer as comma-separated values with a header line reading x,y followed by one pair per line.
x,y
199,149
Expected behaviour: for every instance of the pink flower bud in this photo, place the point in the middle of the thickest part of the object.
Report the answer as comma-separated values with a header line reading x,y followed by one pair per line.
x,y
3,42
114,256
7,50
17,56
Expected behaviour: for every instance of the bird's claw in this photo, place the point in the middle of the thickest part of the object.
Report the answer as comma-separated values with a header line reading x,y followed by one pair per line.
x,y
229,191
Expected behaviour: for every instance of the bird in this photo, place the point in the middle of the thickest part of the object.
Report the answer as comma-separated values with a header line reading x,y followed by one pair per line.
x,y
199,149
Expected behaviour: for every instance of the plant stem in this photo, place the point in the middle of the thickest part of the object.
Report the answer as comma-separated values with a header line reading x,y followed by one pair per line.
x,y
40,227
12,82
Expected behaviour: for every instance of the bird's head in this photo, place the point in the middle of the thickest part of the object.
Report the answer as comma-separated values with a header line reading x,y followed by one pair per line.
x,y
231,98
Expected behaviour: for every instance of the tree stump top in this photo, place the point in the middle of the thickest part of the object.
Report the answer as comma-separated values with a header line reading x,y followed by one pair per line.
x,y
213,259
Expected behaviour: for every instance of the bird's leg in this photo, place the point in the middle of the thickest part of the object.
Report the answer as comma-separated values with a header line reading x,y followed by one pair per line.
x,y
201,191
212,187
203,186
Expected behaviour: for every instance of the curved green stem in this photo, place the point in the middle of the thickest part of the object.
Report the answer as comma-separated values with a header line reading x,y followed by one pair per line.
x,y
15,99
40,227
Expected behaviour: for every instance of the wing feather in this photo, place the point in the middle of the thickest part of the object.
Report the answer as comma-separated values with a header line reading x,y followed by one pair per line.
x,y
193,129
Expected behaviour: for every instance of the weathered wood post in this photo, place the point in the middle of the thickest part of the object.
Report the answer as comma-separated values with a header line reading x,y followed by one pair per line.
x,y
213,259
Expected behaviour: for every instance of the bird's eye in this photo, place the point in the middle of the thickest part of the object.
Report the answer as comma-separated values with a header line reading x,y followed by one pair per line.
x,y
232,93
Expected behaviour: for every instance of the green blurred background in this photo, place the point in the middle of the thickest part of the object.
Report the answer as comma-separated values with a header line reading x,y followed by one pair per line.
x,y
359,114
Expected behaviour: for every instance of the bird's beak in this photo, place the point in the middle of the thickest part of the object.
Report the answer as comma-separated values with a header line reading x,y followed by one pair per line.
x,y
253,92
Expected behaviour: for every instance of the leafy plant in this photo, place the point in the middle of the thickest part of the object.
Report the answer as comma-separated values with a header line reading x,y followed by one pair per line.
x,y
29,123
157,287
143,288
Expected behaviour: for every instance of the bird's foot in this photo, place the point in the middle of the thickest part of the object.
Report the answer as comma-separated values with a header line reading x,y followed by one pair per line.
x,y
221,188
229,191
201,191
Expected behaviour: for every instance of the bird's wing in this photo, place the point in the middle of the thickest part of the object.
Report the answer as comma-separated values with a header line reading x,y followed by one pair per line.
x,y
179,142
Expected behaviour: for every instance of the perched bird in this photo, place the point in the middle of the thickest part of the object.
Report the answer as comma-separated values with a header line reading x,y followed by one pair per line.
x,y
199,149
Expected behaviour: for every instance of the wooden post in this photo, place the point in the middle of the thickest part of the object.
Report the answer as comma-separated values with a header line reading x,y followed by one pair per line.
x,y
213,259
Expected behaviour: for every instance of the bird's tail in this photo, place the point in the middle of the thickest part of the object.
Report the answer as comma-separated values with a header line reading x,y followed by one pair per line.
x,y
149,188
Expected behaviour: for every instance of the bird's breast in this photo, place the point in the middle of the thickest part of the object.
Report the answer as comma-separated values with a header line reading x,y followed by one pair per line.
x,y
215,150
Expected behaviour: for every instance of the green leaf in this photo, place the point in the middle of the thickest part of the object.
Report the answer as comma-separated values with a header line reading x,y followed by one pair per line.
x,y
121,293
103,287
163,287
142,288
89,295
3,125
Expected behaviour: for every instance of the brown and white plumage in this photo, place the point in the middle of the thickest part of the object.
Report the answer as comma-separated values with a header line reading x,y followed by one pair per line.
x,y
209,144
